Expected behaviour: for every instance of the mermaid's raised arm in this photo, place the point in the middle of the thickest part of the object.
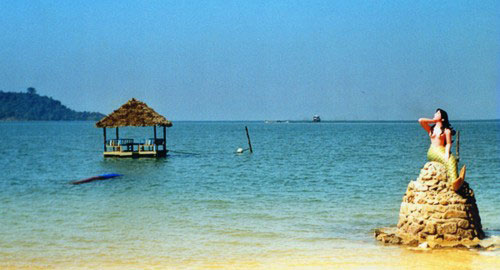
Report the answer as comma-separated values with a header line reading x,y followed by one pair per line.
x,y
424,122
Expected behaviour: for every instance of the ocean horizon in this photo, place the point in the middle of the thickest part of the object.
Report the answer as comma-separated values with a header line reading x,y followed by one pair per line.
x,y
264,120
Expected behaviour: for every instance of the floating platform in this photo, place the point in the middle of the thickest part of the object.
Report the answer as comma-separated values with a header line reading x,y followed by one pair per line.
x,y
127,148
136,154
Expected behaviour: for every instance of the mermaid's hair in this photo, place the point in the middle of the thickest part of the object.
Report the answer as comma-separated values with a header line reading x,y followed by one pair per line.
x,y
446,122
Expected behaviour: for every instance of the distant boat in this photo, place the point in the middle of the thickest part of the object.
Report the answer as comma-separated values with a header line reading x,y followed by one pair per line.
x,y
316,118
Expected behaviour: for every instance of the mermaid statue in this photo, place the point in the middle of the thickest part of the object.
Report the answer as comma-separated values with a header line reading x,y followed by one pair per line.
x,y
441,134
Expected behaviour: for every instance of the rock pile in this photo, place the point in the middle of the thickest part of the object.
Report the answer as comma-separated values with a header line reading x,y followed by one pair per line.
x,y
432,213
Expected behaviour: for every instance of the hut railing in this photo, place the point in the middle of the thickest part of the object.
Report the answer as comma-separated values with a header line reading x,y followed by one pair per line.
x,y
120,145
150,144
128,145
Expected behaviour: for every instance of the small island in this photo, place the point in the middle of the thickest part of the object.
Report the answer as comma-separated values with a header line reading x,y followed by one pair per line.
x,y
29,106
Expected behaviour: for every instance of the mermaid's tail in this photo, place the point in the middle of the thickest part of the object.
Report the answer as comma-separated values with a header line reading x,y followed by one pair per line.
x,y
460,180
437,153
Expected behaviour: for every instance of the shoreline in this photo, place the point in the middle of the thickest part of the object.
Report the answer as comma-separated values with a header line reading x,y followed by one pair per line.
x,y
369,257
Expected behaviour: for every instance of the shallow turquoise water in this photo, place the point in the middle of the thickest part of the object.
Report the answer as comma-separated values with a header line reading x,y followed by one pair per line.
x,y
306,187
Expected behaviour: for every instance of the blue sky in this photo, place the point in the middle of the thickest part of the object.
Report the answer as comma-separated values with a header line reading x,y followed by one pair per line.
x,y
256,60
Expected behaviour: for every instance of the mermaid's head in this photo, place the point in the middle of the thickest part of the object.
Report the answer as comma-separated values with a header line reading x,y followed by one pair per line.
x,y
445,121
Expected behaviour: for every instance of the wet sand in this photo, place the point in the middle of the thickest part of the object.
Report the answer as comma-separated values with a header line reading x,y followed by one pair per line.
x,y
379,257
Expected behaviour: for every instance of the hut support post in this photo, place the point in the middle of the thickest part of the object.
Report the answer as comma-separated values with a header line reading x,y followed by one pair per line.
x,y
104,130
164,138
117,134
154,129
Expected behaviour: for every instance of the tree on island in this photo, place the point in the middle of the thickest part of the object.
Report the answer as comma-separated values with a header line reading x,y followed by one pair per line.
x,y
31,90
29,105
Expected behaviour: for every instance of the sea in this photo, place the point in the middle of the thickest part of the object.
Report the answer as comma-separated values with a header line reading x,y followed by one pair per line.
x,y
308,197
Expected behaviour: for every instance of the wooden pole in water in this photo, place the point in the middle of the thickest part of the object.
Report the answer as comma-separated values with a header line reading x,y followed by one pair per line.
x,y
458,146
104,130
248,137
117,135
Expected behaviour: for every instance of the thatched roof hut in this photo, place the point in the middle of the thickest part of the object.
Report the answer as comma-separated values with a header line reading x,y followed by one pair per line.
x,y
133,113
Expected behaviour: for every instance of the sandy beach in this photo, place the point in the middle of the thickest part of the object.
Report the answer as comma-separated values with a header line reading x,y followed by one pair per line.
x,y
380,258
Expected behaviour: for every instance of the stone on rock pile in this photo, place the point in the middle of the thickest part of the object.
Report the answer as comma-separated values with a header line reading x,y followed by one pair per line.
x,y
432,213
